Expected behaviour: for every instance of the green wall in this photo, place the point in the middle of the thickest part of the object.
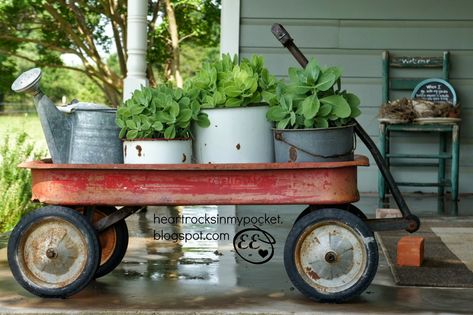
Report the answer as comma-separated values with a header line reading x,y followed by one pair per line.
x,y
352,35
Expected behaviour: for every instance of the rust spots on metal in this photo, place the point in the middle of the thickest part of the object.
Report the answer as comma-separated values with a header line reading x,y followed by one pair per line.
x,y
292,154
238,146
138,147
278,136
312,274
184,158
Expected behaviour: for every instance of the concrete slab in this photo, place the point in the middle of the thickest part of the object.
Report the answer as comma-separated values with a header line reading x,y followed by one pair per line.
x,y
206,276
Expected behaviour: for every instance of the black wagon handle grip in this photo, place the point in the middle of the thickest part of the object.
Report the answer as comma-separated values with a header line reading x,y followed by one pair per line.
x,y
286,40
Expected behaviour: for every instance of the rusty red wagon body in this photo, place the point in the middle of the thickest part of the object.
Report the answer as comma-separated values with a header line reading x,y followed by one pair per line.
x,y
330,253
195,184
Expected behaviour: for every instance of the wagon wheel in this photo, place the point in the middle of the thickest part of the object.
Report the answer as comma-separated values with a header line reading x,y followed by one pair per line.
x,y
347,207
331,255
113,241
53,252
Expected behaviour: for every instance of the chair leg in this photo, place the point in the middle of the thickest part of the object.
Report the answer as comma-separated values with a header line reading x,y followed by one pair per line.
x,y
455,165
441,170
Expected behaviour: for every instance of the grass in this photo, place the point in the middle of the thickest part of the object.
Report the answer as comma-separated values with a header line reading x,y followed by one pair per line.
x,y
28,123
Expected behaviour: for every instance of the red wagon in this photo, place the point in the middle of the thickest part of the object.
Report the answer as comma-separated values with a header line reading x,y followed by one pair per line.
x,y
80,235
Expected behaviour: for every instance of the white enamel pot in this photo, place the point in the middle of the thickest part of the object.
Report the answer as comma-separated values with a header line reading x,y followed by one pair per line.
x,y
235,135
157,151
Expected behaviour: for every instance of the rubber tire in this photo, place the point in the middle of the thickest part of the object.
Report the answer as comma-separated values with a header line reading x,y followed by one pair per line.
x,y
352,221
121,232
89,233
347,207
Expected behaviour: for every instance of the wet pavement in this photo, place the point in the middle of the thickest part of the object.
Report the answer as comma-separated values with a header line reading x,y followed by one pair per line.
x,y
163,276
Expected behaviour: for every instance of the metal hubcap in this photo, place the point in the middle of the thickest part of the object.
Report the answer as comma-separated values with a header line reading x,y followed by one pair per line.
x,y
52,253
331,256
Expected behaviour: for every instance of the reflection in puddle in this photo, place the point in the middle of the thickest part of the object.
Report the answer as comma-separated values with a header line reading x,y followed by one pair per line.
x,y
156,259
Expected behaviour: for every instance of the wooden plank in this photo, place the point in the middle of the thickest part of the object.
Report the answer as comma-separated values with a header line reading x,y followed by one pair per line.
x,y
360,9
389,35
313,33
362,34
360,62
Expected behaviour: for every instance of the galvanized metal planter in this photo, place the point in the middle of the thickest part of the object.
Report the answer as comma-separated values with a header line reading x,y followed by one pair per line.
x,y
235,135
157,151
315,144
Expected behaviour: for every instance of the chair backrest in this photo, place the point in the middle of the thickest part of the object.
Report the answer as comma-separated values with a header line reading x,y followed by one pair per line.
x,y
391,62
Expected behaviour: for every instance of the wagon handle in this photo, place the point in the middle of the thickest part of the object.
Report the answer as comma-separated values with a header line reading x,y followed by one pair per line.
x,y
413,222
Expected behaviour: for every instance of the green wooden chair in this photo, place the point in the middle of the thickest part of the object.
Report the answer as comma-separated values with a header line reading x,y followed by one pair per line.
x,y
394,81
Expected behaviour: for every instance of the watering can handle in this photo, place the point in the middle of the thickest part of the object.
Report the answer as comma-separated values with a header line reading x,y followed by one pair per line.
x,y
413,221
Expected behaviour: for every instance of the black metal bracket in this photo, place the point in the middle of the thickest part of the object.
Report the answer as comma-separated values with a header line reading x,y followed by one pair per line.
x,y
409,221
113,218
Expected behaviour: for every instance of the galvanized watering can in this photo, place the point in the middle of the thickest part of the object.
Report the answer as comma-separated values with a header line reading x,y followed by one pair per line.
x,y
80,133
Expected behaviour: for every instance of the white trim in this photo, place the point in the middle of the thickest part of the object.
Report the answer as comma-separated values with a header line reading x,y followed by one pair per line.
x,y
230,27
136,47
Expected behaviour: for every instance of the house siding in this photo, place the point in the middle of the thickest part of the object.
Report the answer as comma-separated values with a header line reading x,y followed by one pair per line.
x,y
352,35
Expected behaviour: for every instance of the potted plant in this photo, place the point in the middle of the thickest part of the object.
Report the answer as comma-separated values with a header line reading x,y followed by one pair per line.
x,y
313,116
232,94
156,125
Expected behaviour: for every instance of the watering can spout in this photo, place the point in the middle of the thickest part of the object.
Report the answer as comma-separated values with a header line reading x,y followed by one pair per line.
x,y
56,124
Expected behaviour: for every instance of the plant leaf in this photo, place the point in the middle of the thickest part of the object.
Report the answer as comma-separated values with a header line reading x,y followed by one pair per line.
x,y
325,110
120,123
170,132
283,123
276,113
310,107
340,107
132,134
203,120
325,81
131,124
157,125
321,122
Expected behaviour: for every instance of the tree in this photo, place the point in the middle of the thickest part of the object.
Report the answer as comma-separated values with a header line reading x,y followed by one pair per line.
x,y
48,29
6,73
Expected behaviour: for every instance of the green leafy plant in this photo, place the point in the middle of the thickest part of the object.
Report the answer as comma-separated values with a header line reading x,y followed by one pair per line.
x,y
162,112
15,183
228,84
312,98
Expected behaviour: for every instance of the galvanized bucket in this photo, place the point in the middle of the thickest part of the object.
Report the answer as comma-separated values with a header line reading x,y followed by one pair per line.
x,y
314,145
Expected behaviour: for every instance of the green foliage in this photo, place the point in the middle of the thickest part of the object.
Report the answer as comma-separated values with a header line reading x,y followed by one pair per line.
x,y
15,183
312,99
162,112
57,83
198,26
226,83
41,31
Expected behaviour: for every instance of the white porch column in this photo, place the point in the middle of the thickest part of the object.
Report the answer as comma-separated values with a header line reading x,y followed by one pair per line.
x,y
230,27
136,47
